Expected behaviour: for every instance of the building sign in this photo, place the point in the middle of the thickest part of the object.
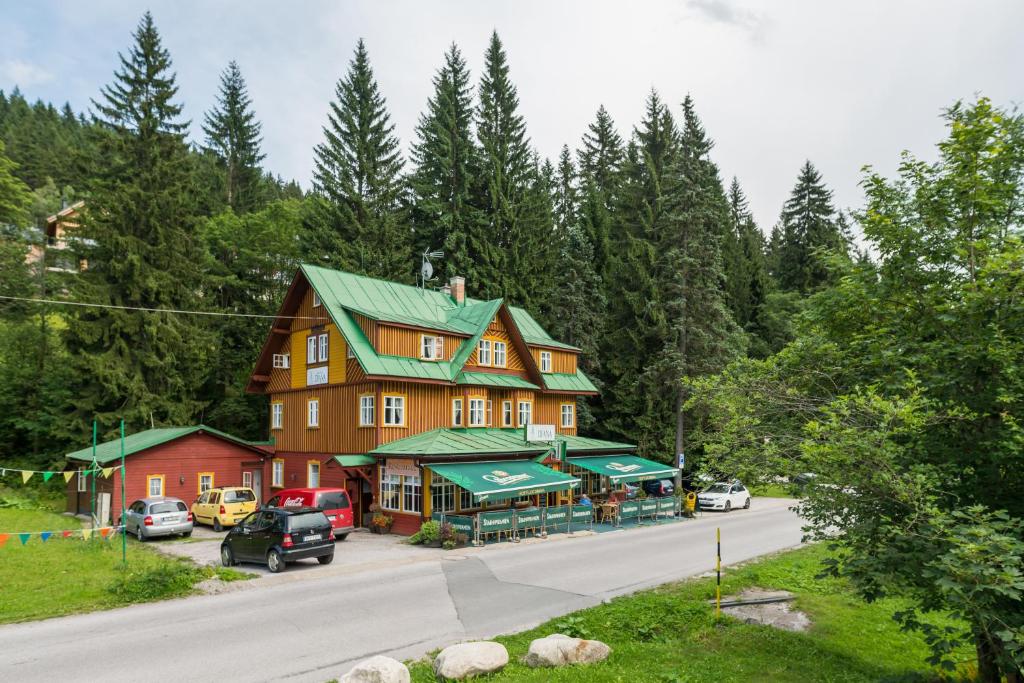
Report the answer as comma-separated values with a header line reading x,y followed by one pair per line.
x,y
403,466
540,432
502,478
316,376
625,469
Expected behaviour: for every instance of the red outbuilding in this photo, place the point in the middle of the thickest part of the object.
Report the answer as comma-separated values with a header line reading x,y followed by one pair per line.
x,y
181,462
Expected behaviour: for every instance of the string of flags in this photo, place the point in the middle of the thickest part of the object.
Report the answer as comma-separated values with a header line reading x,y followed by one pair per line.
x,y
106,532
67,474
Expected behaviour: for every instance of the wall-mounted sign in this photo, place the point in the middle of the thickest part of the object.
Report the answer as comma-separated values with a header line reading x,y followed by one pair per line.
x,y
540,432
403,466
316,376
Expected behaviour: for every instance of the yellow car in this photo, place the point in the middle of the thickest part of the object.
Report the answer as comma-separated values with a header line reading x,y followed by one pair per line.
x,y
226,506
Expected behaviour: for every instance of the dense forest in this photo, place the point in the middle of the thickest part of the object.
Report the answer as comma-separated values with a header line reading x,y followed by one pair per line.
x,y
632,248
892,374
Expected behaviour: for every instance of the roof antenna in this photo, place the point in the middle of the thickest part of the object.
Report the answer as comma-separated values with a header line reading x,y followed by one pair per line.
x,y
427,268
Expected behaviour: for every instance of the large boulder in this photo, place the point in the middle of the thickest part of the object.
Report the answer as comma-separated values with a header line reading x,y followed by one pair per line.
x,y
379,669
466,660
559,650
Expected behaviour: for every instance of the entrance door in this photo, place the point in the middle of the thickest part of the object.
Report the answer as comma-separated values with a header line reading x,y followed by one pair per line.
x,y
257,486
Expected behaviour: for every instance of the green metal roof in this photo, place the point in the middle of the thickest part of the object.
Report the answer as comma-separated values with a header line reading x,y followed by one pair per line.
x,y
110,451
493,379
558,381
354,460
624,468
344,294
479,441
506,479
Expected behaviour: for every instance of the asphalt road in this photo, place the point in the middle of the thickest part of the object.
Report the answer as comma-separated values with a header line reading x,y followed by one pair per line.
x,y
311,626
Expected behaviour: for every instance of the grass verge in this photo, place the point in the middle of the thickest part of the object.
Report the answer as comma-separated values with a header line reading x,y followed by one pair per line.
x,y
67,576
669,635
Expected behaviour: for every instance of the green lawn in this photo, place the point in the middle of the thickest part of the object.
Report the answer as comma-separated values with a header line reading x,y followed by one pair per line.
x,y
61,576
669,635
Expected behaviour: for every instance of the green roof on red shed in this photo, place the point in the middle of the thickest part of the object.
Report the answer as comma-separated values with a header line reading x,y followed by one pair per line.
x,y
110,451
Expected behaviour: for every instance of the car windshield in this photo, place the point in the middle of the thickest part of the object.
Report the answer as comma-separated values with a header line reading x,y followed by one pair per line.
x,y
239,496
717,488
332,500
157,508
307,520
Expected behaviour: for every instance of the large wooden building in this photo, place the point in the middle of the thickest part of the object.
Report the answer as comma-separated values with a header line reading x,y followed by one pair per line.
x,y
372,382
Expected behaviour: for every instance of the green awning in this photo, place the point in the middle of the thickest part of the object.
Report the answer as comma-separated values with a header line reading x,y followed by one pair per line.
x,y
354,460
624,468
501,480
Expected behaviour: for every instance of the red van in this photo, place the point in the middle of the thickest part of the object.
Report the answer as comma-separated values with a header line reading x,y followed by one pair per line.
x,y
334,503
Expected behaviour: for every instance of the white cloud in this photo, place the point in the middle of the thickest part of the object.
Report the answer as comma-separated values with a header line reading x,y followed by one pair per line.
x,y
23,74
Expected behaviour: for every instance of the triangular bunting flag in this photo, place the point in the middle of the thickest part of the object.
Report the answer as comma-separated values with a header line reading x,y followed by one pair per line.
x,y
67,533
3,539
24,538
86,533
68,475
107,471
48,475
44,536
105,531
26,475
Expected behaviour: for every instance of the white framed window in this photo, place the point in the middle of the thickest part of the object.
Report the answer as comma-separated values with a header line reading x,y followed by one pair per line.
x,y
483,353
312,474
476,412
310,349
466,501
394,411
442,494
390,491
506,414
83,480
545,361
500,354
205,481
155,485
412,494
525,412
490,413
247,479
431,348
277,416
568,415
456,412
322,342
316,300
313,412
367,416
277,473
282,360
348,352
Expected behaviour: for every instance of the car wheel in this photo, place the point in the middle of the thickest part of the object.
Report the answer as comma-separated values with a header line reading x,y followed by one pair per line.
x,y
186,534
746,506
139,535
227,558
275,562
325,559
342,537
217,525
728,505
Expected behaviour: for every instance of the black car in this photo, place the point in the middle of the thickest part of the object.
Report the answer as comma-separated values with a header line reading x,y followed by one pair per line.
x,y
279,536
659,487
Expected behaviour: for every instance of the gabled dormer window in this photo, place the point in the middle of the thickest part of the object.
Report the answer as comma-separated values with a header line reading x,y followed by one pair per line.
x,y
545,361
483,353
456,412
500,355
316,348
282,360
431,347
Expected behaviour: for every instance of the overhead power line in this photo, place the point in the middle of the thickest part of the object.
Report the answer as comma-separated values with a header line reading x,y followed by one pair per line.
x,y
160,310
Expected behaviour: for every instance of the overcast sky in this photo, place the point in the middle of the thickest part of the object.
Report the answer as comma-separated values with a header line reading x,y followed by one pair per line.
x,y
842,84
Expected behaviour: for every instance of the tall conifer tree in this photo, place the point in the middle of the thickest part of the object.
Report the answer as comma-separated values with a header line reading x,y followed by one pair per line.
x,y
360,223
746,270
600,165
233,135
144,367
446,163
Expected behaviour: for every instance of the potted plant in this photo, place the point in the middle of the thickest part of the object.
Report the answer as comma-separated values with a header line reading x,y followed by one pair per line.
x,y
380,523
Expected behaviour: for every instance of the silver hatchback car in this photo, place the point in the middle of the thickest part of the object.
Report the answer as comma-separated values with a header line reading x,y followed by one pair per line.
x,y
152,517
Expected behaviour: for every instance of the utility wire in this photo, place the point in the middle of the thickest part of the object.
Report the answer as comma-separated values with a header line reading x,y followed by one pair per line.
x,y
160,310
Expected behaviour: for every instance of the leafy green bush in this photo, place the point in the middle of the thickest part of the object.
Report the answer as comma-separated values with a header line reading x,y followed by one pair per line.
x,y
430,532
164,581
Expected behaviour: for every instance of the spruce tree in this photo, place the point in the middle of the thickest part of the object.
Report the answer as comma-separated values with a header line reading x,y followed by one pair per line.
x,y
233,135
142,252
446,164
600,162
508,177
808,227
360,223
565,192
746,270
15,199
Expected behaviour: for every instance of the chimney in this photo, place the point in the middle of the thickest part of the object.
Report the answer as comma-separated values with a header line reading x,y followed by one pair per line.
x,y
458,289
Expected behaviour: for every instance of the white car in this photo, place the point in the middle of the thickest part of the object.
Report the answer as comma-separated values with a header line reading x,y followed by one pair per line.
x,y
724,496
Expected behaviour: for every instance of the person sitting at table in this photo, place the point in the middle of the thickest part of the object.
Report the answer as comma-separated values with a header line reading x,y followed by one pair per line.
x,y
585,500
